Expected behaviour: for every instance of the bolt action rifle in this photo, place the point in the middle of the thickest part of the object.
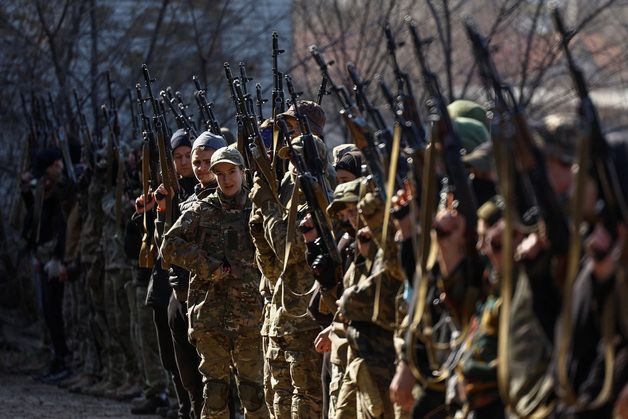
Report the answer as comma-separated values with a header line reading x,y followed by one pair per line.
x,y
59,135
87,147
205,108
166,165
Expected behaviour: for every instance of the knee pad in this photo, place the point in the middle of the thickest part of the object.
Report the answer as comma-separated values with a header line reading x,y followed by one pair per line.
x,y
216,394
251,396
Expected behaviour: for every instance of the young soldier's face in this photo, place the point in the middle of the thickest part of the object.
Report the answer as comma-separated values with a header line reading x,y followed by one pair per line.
x,y
344,176
349,214
229,178
182,161
200,164
54,171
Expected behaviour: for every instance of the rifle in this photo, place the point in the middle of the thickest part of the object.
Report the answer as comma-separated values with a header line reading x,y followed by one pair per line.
x,y
322,91
411,122
383,136
183,110
244,80
87,149
242,133
148,138
259,101
361,133
182,122
278,101
168,174
113,109
205,108
59,134
313,162
593,145
315,196
253,144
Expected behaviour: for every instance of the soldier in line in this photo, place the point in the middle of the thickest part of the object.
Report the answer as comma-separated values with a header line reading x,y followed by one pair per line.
x,y
294,364
211,240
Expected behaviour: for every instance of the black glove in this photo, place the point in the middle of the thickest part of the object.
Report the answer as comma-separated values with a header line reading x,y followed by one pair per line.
x,y
326,271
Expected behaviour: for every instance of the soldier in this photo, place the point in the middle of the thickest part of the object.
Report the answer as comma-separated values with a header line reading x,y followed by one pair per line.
x,y
185,353
333,339
116,209
294,364
159,291
211,240
49,226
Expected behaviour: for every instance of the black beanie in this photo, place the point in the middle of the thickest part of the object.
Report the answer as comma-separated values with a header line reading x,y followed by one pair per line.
x,y
180,138
45,158
351,162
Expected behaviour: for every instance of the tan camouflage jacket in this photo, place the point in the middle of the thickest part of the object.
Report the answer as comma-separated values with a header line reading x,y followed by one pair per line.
x,y
267,262
112,238
291,299
212,241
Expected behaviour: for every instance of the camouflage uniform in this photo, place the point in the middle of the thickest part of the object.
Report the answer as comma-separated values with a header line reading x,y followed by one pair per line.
x,y
294,364
211,240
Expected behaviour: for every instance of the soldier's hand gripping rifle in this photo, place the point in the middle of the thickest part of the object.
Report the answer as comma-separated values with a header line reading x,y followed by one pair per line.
x,y
594,156
361,133
166,165
59,134
205,108
315,196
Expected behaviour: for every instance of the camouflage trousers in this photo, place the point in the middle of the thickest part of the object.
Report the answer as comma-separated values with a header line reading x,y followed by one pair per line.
x,y
81,333
153,376
295,369
337,375
219,355
95,281
269,395
364,392
119,322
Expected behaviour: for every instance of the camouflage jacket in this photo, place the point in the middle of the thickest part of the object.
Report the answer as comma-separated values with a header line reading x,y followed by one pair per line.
x,y
212,241
267,262
91,231
289,308
112,236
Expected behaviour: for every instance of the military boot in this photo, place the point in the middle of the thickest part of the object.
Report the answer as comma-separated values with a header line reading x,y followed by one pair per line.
x,y
86,381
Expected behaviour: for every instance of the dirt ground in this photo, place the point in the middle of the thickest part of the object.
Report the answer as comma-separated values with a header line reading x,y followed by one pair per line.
x,y
23,397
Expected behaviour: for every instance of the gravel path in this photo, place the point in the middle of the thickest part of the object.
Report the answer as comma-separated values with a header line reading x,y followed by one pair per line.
x,y
23,397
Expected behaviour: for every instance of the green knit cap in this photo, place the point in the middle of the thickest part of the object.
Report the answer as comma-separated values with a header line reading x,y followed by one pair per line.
x,y
472,133
468,109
